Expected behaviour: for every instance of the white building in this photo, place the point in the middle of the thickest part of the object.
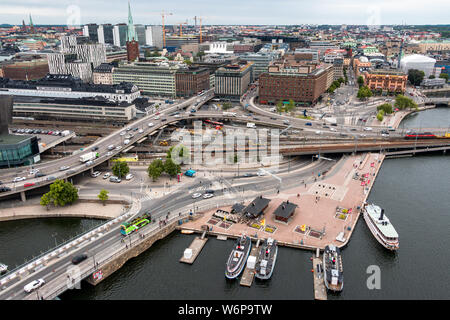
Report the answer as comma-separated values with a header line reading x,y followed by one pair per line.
x,y
154,36
419,62
218,48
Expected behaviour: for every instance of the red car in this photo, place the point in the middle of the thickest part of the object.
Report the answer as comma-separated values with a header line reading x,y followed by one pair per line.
x,y
50,132
28,184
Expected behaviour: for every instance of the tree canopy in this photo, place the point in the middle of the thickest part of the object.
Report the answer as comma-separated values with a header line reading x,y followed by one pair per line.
x,y
120,169
364,92
403,102
155,169
103,196
171,168
386,107
360,81
415,76
60,194
444,76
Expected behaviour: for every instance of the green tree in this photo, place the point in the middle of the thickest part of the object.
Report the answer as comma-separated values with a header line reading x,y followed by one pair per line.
x,y
415,76
280,106
336,83
290,106
403,102
235,159
45,200
180,151
364,93
188,62
444,76
155,169
103,196
380,115
360,81
386,107
171,168
332,88
120,169
431,76
60,194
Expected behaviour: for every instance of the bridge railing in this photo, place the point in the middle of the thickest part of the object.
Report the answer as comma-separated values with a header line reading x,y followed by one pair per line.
x,y
63,247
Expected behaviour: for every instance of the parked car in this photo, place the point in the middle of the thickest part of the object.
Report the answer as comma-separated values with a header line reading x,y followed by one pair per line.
x,y
123,133
79,258
141,131
150,124
95,174
127,141
106,175
4,189
115,179
208,195
33,285
368,129
196,195
308,124
129,176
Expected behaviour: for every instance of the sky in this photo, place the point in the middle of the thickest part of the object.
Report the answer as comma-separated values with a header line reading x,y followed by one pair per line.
x,y
224,12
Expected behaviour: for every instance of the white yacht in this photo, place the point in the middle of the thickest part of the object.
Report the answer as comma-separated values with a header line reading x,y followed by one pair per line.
x,y
3,268
381,227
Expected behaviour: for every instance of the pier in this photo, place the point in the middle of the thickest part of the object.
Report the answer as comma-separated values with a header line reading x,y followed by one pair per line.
x,y
191,253
320,292
249,273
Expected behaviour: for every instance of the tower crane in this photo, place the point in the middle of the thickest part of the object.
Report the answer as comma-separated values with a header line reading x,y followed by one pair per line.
x,y
163,14
181,27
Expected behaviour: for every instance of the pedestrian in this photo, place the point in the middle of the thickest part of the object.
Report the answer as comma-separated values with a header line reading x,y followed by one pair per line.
x,y
298,195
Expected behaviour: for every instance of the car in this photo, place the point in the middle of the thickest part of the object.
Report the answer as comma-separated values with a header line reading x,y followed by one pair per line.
x,y
308,124
208,195
33,172
4,189
129,176
286,121
123,133
109,153
39,174
363,135
89,163
196,195
115,179
94,148
18,179
118,147
342,134
334,124
333,129
106,175
79,258
384,131
62,168
326,127
126,141
156,118
33,285
318,132
50,178
29,184
140,131
95,174
111,147
391,129
368,129
177,116
209,191
384,135
128,129
352,129
150,124
163,119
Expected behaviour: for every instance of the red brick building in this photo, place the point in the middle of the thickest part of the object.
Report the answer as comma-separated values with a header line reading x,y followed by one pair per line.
x,y
189,82
26,70
386,80
132,50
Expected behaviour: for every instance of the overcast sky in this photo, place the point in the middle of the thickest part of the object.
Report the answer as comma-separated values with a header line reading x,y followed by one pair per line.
x,y
265,12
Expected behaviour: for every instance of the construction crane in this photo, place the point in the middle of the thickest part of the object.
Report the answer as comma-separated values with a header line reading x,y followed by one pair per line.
x,y
163,14
181,27
200,19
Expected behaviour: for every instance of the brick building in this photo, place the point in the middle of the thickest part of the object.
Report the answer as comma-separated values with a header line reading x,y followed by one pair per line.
x,y
26,70
386,80
189,82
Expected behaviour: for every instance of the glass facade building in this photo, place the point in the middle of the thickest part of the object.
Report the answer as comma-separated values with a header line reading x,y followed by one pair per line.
x,y
18,150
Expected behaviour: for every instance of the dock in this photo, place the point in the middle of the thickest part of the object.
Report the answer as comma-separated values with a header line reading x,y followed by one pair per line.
x,y
191,253
249,273
320,292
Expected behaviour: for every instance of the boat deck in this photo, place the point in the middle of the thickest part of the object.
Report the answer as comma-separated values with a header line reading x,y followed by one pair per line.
x,y
320,292
249,274
196,246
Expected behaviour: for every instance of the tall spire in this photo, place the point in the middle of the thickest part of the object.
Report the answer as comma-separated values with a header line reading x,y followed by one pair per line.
x,y
31,25
131,35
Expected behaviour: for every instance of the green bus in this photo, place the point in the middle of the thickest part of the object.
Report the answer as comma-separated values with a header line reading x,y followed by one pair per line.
x,y
128,227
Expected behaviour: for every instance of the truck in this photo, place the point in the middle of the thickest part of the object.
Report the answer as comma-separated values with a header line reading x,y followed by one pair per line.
x,y
88,156
65,133
251,125
231,114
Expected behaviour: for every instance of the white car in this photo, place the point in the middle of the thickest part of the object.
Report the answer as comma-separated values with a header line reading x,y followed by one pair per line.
x,y
63,168
33,172
363,135
109,153
385,135
18,179
129,176
333,129
123,133
367,129
118,147
177,116
95,174
156,118
140,131
196,195
208,195
106,175
150,124
126,141
318,132
33,285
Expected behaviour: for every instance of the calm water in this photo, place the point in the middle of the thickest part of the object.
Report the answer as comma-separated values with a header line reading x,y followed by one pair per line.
x,y
414,192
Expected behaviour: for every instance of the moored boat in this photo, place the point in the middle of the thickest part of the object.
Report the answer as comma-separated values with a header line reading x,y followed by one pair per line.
x,y
334,271
381,227
265,261
3,268
238,257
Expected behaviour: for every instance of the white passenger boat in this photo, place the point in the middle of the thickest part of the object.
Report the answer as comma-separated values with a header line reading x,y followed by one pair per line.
x,y
381,227
3,268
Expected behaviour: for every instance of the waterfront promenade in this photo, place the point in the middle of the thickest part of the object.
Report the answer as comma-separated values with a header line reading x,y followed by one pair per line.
x,y
317,207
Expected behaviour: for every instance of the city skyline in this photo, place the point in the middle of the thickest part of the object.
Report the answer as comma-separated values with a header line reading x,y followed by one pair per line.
x,y
263,12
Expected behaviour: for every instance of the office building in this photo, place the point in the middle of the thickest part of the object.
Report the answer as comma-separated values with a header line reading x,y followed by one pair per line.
x,y
103,74
386,80
106,34
154,36
190,81
91,31
232,80
120,34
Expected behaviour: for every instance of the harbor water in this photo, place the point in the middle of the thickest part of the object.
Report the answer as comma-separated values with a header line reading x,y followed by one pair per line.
x,y
413,191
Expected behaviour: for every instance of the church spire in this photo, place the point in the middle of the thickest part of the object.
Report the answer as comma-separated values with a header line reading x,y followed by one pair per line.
x,y
131,35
